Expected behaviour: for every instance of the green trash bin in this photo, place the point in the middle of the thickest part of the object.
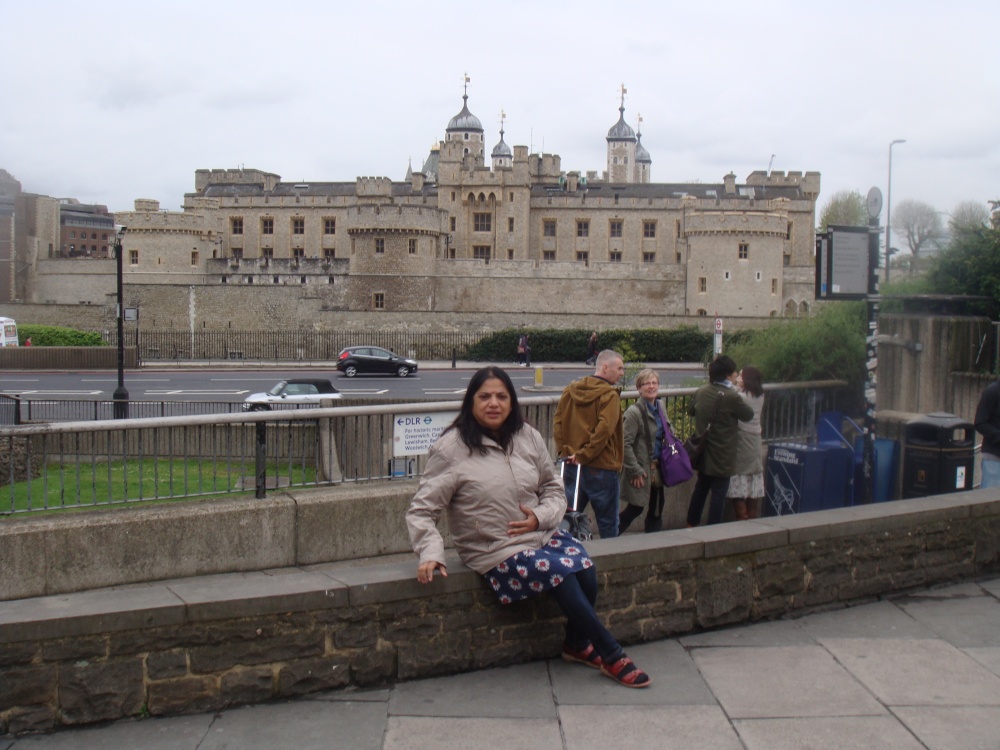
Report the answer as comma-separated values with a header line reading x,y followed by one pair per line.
x,y
939,454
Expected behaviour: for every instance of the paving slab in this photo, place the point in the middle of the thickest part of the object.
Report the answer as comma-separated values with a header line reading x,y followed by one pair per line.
x,y
773,633
787,681
954,728
351,693
988,657
916,673
660,727
826,733
422,733
966,620
171,733
521,691
874,620
303,725
676,680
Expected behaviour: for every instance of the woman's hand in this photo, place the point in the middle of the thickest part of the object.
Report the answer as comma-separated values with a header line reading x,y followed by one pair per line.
x,y
639,482
425,571
529,524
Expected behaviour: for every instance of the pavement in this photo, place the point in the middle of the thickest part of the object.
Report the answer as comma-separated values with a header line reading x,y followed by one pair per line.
x,y
910,672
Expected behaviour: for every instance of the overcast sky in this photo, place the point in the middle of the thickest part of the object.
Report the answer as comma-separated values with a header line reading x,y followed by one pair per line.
x,y
107,102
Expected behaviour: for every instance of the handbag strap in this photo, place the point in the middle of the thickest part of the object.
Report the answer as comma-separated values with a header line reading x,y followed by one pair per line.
x,y
645,427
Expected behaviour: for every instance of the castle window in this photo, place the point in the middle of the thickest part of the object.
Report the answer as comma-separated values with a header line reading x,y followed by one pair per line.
x,y
624,160
549,227
649,257
268,253
614,160
298,226
510,253
329,253
788,232
298,253
510,196
510,224
702,313
413,247
548,255
466,138
744,251
759,276
678,223
482,222
237,253
615,256
378,301
276,279
379,245
329,226
774,286
583,228
133,257
583,257
453,195
481,252
194,257
236,224
616,228
452,224
786,260
702,285
267,226
678,256
727,275
649,229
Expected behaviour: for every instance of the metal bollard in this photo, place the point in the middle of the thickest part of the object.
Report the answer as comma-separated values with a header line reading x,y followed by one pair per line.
x,y
453,360
538,377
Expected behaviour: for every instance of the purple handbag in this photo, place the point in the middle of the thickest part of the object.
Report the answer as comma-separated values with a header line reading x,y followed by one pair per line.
x,y
675,466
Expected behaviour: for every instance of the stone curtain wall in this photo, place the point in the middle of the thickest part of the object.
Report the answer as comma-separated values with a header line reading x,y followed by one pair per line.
x,y
201,644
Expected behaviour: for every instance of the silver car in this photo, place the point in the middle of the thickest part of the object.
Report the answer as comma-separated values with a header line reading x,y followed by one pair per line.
x,y
293,392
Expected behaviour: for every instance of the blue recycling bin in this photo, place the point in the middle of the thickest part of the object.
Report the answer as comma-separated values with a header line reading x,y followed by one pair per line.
x,y
802,478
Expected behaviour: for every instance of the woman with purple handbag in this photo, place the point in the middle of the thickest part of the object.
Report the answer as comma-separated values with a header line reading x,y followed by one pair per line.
x,y
642,481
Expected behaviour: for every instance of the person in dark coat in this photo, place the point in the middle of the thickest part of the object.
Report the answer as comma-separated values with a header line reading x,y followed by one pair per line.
x,y
988,425
721,405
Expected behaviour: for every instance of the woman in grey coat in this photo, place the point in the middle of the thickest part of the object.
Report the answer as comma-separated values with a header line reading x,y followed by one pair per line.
x,y
641,487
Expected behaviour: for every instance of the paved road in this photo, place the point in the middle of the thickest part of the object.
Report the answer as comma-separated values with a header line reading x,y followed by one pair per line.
x,y
913,673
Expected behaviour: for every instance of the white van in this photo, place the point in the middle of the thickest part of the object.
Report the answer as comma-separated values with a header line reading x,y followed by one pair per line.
x,y
8,332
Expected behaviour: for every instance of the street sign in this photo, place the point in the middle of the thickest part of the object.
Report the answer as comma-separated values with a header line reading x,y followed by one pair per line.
x,y
718,325
414,434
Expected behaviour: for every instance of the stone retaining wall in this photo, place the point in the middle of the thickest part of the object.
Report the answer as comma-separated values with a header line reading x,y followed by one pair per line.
x,y
199,644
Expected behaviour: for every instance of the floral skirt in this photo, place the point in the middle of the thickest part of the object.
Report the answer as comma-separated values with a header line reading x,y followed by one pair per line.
x,y
535,571
746,485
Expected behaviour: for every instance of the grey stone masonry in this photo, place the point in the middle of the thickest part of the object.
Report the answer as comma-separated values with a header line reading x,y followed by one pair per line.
x,y
201,644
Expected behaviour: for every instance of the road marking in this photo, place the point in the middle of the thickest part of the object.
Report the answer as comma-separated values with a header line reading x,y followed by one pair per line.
x,y
373,391
131,379
21,380
197,393
440,390
57,393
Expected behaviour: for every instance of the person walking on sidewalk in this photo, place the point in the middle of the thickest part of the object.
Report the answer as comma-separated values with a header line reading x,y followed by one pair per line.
x,y
588,433
641,483
720,405
592,350
492,474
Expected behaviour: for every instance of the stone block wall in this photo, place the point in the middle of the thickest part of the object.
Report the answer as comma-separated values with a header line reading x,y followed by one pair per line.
x,y
202,644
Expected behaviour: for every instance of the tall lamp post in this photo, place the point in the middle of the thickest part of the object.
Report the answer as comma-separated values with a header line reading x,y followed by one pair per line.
x,y
121,394
888,212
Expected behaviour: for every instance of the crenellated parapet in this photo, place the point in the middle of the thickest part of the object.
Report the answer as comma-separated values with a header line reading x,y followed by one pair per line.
x,y
203,178
736,222
373,187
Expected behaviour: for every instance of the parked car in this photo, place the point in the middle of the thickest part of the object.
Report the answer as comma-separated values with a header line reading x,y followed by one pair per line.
x,y
292,391
355,360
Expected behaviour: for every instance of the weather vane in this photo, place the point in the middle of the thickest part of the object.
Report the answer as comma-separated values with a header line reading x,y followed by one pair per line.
x,y
466,83
624,91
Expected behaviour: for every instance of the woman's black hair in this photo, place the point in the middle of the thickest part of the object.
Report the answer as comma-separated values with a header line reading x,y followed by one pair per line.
x,y
753,381
470,430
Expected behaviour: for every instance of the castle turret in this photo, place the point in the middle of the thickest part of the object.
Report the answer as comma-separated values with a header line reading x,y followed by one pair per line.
x,y
621,147
643,162
502,155
467,128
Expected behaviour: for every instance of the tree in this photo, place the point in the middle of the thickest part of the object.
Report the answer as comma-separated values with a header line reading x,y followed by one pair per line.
x,y
845,208
918,222
970,265
968,216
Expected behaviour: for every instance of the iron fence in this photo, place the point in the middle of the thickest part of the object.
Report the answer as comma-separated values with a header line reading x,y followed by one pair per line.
x,y
289,346
106,462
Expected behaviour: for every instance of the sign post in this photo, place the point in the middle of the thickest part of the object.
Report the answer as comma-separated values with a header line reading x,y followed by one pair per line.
x,y
717,347
874,204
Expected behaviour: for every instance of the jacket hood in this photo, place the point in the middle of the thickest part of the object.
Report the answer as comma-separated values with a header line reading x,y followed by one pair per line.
x,y
589,389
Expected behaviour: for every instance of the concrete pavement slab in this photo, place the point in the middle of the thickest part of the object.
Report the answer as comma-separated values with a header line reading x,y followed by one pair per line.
x,y
172,733
826,733
874,620
968,619
351,693
303,725
988,657
660,727
421,733
675,680
991,587
773,633
954,728
521,691
787,681
916,672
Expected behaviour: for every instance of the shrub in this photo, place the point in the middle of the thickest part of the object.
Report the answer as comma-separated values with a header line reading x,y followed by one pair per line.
x,y
683,344
57,336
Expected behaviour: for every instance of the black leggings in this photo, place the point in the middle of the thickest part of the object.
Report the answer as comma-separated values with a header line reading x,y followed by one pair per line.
x,y
576,596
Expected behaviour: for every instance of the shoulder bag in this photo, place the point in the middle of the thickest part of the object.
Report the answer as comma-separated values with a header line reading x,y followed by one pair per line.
x,y
656,465
675,464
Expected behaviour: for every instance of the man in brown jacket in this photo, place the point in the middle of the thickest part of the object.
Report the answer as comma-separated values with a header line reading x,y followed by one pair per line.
x,y
589,435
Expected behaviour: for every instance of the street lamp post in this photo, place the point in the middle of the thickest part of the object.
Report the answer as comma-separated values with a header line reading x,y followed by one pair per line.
x,y
888,212
121,394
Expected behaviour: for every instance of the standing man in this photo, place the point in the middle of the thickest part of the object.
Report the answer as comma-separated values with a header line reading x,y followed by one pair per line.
x,y
589,435
988,425
720,405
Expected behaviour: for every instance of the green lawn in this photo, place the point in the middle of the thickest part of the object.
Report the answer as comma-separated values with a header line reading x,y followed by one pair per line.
x,y
95,484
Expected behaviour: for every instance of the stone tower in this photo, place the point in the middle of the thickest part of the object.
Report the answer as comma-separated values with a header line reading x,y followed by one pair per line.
x,y
621,148
466,128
